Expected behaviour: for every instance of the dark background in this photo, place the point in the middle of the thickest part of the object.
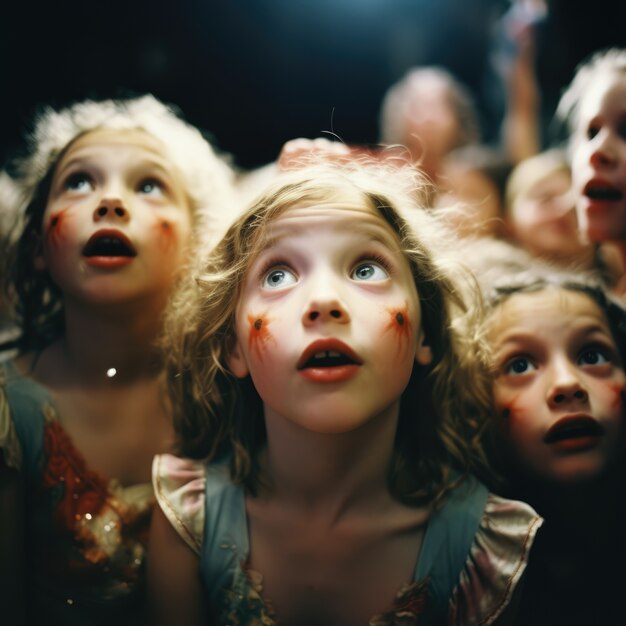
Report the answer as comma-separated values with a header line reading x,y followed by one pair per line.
x,y
255,73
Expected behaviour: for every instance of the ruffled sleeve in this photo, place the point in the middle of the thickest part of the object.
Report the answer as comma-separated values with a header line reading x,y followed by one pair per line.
x,y
497,560
179,487
9,442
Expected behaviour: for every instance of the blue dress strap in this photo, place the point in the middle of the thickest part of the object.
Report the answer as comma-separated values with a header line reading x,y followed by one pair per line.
x,y
225,541
448,539
27,400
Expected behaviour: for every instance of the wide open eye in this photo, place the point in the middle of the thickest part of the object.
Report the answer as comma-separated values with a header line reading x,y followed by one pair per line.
x,y
592,356
79,181
369,271
151,187
519,365
279,277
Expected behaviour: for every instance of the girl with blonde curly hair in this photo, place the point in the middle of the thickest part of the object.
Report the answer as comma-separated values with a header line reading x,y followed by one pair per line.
x,y
329,416
109,202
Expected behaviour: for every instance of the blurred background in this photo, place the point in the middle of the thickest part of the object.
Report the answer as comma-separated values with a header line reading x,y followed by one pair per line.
x,y
255,73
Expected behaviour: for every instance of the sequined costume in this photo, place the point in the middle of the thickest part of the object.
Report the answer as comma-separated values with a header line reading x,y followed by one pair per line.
x,y
85,536
474,552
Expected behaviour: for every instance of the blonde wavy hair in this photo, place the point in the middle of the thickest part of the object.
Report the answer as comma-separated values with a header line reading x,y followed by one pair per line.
x,y
443,409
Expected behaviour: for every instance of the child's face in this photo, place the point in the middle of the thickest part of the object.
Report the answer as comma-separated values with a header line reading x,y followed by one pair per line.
x,y
559,383
329,323
599,159
117,222
543,219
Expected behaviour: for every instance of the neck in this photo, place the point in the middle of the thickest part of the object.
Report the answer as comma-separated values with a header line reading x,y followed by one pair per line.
x,y
107,345
333,472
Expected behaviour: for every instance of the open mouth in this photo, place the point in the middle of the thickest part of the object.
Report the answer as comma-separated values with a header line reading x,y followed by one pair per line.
x,y
570,428
328,361
328,358
325,353
109,244
597,190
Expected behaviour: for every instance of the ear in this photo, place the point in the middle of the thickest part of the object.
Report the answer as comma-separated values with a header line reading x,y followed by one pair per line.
x,y
423,353
237,361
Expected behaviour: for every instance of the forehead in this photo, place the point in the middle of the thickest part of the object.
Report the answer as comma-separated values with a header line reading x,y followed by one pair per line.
x,y
536,310
605,93
347,219
129,140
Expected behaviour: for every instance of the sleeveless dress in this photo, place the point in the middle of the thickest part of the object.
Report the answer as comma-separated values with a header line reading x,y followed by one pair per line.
x,y
85,535
474,552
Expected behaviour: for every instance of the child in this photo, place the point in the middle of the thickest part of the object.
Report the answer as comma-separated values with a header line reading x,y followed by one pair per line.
x,y
113,193
431,113
319,367
595,105
558,352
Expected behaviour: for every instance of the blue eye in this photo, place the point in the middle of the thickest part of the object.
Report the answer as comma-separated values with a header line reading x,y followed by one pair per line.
x,y
519,365
151,187
369,271
79,181
592,356
277,278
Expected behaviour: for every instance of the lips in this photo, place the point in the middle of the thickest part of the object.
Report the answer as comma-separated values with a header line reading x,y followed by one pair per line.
x,y
109,248
574,433
600,190
328,360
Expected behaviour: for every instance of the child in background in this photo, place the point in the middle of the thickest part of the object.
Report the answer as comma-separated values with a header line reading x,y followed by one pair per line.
x,y
558,352
541,214
431,113
114,195
595,106
330,415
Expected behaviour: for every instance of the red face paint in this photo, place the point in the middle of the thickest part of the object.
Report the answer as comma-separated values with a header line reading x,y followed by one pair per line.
x,y
620,394
55,228
166,232
259,333
400,323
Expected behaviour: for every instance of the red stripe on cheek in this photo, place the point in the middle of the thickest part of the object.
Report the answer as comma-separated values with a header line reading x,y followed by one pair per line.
x,y
55,229
259,334
400,324
166,232
620,394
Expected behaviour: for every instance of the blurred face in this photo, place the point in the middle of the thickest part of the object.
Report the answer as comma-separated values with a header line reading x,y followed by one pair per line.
x,y
329,323
432,128
543,219
559,383
599,160
117,223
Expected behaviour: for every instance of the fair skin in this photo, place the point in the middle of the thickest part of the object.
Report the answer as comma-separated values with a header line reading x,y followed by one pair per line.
x,y
542,219
559,383
599,161
329,328
115,233
431,125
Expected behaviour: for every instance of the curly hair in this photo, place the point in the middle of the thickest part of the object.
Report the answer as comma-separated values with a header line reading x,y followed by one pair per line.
x,y
207,176
443,408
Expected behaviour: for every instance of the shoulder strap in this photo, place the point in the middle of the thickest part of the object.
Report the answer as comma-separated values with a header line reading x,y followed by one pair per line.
x,y
448,539
225,531
26,401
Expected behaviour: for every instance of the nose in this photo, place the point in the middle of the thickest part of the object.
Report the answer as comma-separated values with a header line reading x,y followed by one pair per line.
x,y
324,306
111,208
603,153
567,387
